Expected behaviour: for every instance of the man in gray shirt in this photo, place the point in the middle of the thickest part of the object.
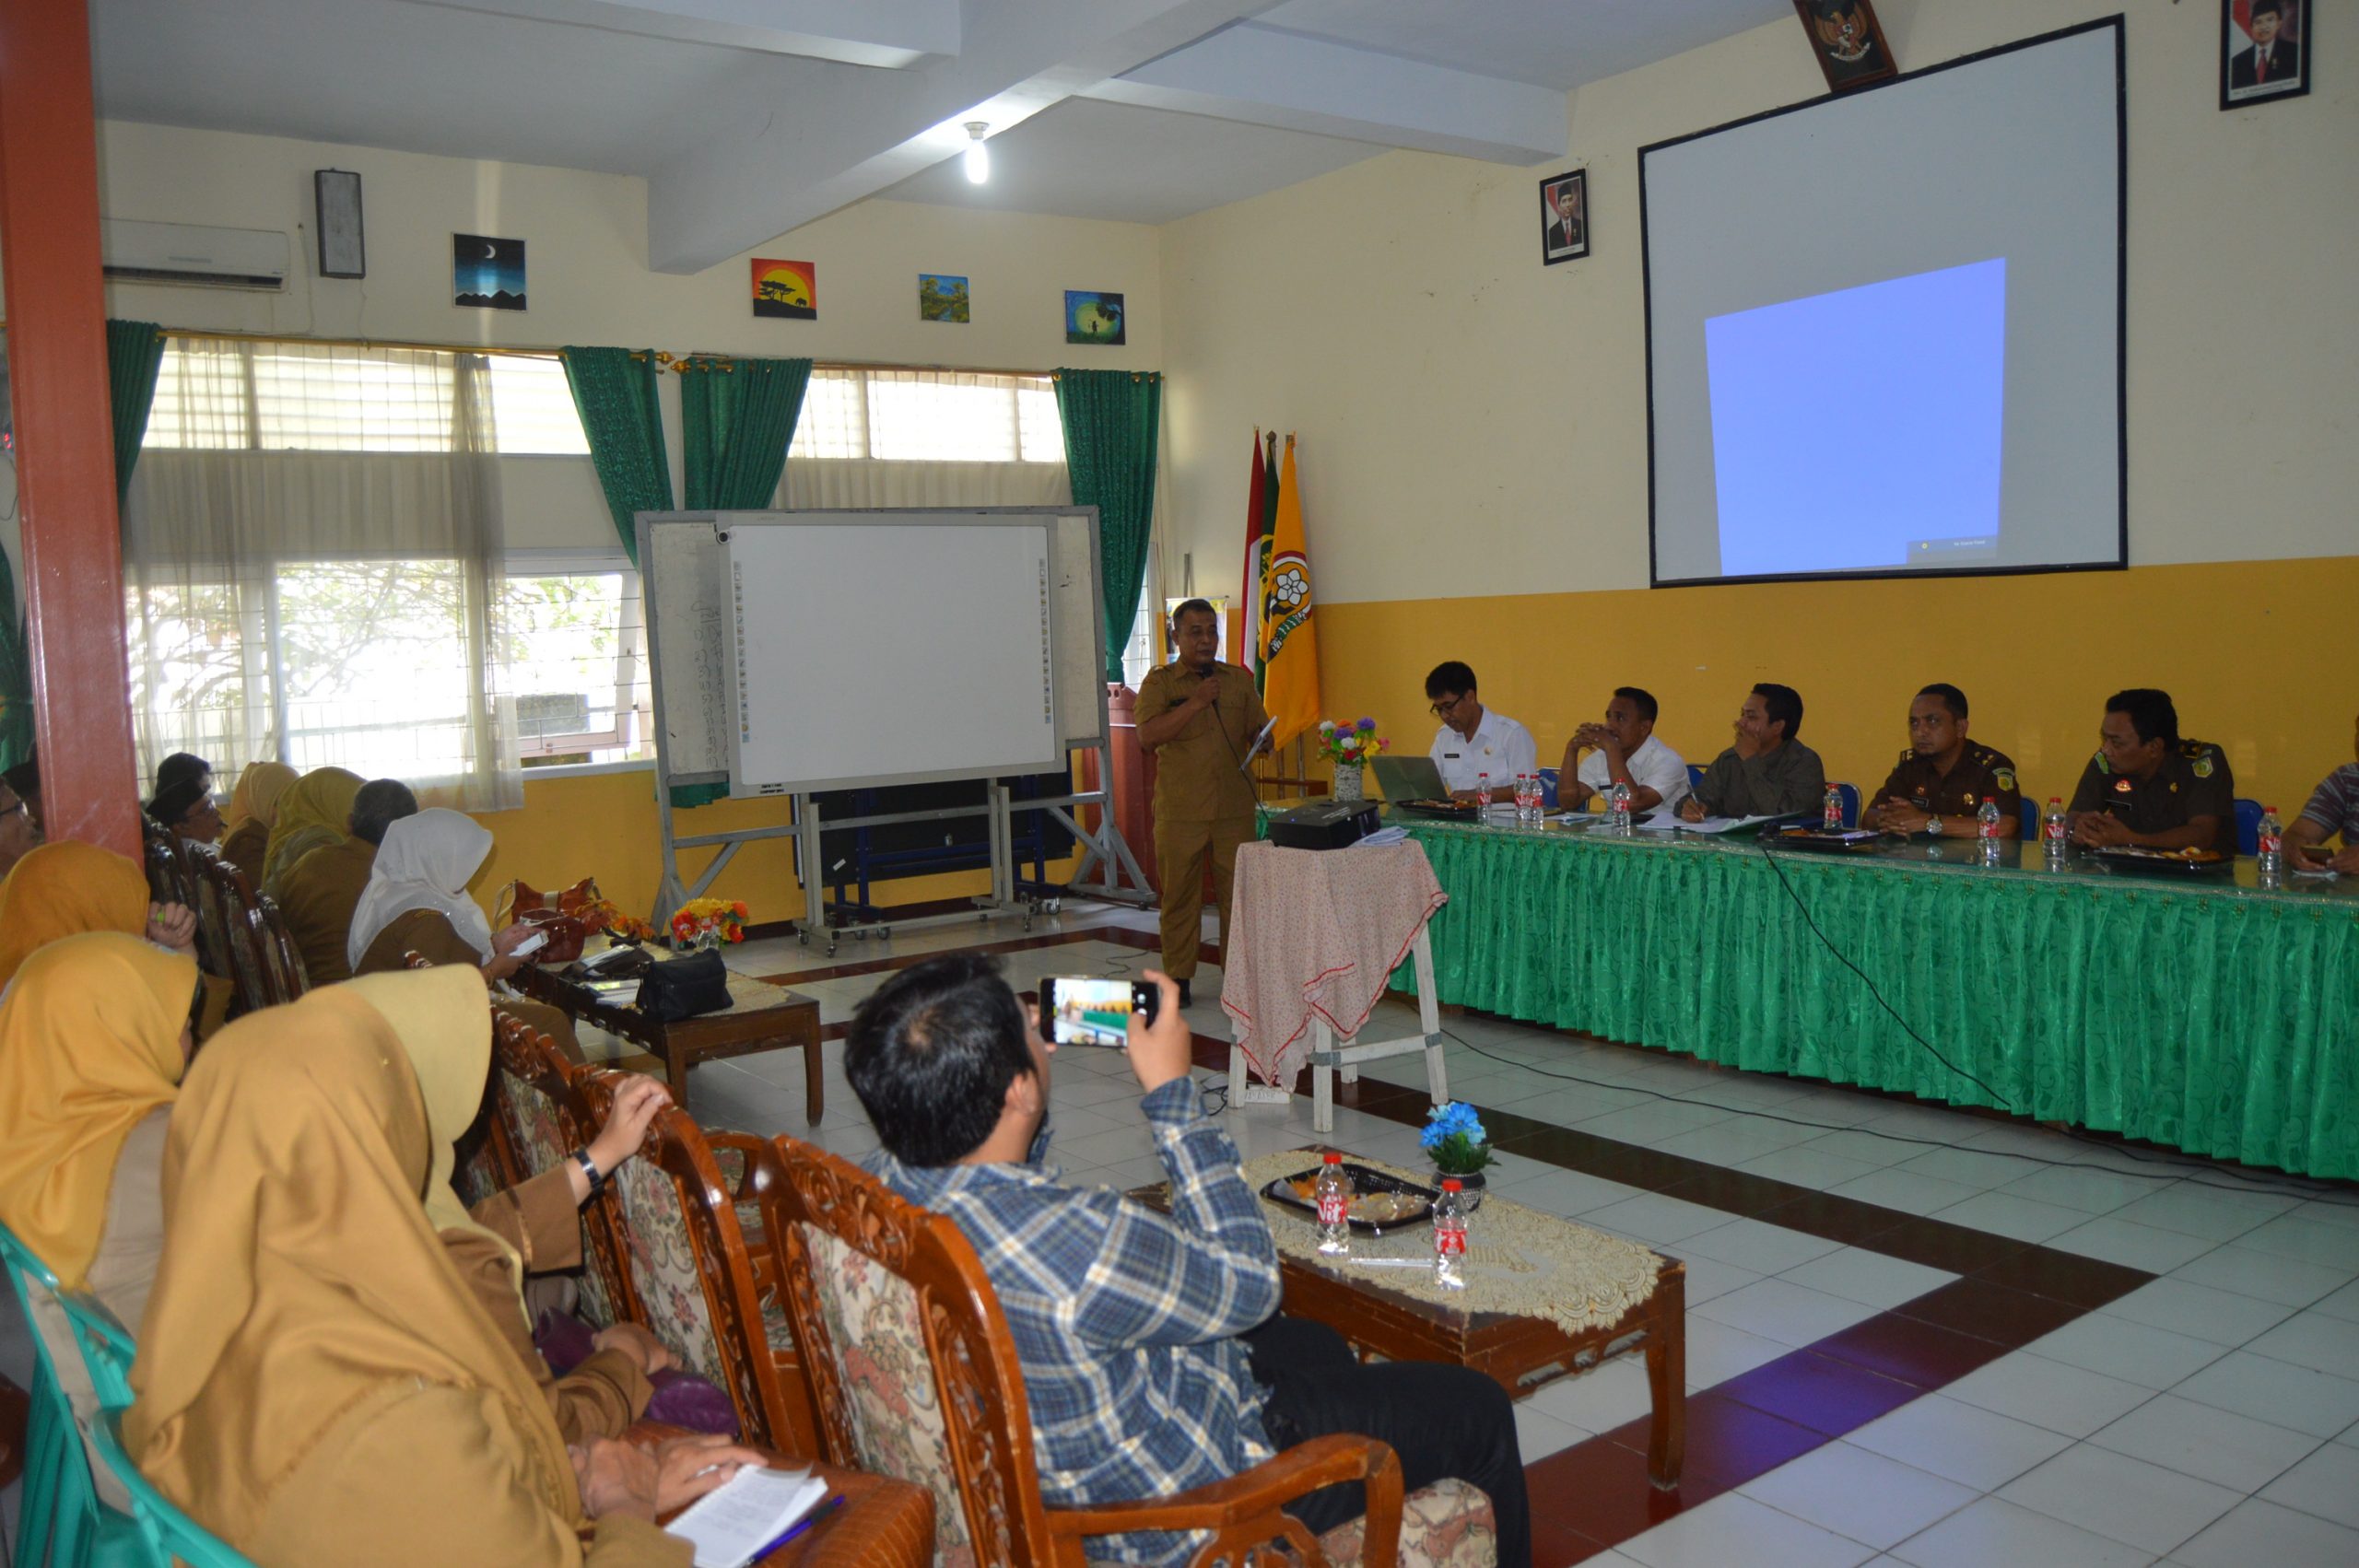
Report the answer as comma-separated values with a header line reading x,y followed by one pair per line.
x,y
1768,772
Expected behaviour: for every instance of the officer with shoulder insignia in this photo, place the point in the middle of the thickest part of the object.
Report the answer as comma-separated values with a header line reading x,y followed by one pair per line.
x,y
1941,781
2148,788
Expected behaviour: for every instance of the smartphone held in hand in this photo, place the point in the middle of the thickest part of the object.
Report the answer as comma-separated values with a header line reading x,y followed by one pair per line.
x,y
1078,1011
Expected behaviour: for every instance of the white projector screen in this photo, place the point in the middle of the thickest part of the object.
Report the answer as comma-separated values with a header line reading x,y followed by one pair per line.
x,y
876,653
1883,330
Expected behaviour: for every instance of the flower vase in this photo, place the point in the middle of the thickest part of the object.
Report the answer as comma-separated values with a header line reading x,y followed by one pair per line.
x,y
1470,1186
1349,783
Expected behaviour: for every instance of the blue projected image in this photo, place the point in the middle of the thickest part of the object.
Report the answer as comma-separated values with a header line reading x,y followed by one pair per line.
x,y
1861,429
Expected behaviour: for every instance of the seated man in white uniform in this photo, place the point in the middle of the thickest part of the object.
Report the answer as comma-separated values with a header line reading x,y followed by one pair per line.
x,y
1475,741
1624,750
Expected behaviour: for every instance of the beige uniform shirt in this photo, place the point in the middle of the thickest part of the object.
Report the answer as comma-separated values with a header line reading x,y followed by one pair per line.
x,y
1198,777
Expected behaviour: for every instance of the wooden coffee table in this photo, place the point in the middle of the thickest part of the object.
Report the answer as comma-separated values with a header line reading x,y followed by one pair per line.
x,y
1521,1353
761,1017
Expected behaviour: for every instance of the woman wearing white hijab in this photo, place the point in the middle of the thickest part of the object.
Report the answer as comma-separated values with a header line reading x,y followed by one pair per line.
x,y
416,902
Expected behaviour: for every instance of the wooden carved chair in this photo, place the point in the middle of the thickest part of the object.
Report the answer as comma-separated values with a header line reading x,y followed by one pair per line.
x,y
693,1273
915,1375
263,963
543,1120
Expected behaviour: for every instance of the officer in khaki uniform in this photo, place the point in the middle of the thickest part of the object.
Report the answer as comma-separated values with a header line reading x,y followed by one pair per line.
x,y
1941,781
2148,788
1198,716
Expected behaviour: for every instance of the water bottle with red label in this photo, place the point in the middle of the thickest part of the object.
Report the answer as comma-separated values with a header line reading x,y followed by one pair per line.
x,y
1449,1236
2052,830
1333,1193
1832,817
2268,848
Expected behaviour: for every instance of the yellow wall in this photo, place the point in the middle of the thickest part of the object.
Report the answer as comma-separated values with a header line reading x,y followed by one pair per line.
x,y
605,825
2239,647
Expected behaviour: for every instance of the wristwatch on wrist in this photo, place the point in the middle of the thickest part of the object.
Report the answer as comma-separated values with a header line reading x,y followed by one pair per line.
x,y
590,1168
1933,824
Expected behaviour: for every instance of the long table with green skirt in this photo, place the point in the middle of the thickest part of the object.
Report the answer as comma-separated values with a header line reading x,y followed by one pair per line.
x,y
2200,1013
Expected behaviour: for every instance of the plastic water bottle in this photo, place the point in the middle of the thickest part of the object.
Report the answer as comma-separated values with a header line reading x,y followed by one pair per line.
x,y
1333,1196
1483,793
2270,849
1832,817
2051,832
1618,809
1989,818
1449,1236
1526,800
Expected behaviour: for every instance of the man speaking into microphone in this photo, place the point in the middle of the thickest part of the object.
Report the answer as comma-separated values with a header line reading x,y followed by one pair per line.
x,y
1198,717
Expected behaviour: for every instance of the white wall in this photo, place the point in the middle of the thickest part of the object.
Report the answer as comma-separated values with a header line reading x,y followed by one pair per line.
x,y
1474,422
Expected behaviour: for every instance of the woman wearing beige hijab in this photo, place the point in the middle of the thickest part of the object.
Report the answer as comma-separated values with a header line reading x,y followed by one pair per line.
x,y
254,807
443,1018
315,812
316,1383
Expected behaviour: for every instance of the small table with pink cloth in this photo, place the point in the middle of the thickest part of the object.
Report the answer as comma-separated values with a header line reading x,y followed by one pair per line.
x,y
1318,933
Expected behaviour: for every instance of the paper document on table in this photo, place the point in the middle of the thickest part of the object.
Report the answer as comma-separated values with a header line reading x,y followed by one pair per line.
x,y
1661,822
728,1527
1718,823
1572,816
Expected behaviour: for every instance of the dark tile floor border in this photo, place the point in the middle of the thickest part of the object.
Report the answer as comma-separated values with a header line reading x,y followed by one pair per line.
x,y
1592,1496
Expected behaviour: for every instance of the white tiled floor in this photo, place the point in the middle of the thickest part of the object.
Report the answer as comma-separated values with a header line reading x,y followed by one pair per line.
x,y
2206,1419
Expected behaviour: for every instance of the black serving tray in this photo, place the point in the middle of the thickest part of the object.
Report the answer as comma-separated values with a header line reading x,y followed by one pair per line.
x,y
1849,841
2165,862
1282,1193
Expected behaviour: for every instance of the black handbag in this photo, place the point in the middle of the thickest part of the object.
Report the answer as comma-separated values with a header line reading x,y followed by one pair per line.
x,y
685,988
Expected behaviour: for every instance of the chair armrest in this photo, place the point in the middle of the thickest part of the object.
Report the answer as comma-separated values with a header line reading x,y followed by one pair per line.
x,y
1246,1509
749,1151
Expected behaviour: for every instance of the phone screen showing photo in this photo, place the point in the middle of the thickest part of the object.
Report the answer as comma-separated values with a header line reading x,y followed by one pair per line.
x,y
1086,1011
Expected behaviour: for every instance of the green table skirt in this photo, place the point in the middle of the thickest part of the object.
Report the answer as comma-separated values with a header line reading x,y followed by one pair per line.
x,y
2219,1026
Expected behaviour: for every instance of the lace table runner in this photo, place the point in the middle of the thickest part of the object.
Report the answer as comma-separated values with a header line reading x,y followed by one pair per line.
x,y
1519,1261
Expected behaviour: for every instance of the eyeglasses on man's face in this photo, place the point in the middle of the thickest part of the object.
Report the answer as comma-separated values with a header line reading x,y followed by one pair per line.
x,y
1446,706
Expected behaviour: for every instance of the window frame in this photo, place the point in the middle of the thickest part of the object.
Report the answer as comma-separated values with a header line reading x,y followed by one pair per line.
x,y
631,655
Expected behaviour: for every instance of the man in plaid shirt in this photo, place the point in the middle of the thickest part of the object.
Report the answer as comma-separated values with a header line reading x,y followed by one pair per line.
x,y
1153,1362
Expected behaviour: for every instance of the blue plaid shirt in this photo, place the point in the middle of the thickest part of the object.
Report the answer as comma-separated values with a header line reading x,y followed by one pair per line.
x,y
1125,1321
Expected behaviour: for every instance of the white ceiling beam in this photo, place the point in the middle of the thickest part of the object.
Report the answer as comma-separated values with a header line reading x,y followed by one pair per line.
x,y
889,33
796,154
1265,76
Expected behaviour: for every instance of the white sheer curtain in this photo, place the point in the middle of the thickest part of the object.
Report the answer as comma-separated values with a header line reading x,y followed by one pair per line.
x,y
822,483
314,567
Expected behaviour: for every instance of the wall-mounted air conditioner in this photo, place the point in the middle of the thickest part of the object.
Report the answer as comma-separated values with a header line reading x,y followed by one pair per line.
x,y
191,254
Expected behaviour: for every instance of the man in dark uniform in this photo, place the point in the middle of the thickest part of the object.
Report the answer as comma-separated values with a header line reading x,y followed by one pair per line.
x,y
2147,787
1198,716
1941,781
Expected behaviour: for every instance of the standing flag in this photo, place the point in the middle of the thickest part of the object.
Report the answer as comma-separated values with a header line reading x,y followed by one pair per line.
x,y
1266,500
1289,638
1249,602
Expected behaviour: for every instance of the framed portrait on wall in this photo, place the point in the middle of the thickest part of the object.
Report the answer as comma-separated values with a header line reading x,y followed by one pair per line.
x,y
2264,51
1849,43
1564,217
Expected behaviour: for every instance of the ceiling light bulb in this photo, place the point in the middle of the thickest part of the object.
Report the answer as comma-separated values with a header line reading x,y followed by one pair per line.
x,y
979,157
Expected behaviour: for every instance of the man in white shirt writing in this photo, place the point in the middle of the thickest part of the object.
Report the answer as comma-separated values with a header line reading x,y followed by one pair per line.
x,y
1475,741
1624,750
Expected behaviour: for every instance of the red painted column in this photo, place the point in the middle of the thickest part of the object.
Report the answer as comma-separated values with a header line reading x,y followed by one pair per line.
x,y
57,354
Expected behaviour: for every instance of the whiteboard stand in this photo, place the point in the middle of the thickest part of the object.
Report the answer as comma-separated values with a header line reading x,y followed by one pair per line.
x,y
1121,882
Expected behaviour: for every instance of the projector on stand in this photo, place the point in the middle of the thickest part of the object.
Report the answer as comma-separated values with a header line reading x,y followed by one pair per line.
x,y
1324,824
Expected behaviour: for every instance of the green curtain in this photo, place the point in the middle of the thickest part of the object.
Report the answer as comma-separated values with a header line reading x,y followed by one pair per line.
x,y
737,420
2222,1023
135,353
15,676
1110,421
613,390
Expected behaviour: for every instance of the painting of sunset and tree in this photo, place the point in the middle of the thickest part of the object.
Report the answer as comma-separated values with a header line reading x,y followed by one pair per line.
x,y
786,288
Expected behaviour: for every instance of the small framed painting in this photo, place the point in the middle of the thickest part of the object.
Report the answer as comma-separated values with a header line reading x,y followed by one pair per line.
x,y
1564,217
2264,51
1094,317
943,297
790,289
485,273
1849,42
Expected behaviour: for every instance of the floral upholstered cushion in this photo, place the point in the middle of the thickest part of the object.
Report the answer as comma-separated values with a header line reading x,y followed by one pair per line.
x,y
663,1266
1447,1524
478,1174
872,1317
538,1139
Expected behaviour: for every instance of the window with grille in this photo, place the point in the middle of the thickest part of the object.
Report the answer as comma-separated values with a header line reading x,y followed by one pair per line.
x,y
929,417
576,671
307,397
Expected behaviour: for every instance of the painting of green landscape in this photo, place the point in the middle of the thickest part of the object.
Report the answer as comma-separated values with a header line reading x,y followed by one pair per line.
x,y
942,298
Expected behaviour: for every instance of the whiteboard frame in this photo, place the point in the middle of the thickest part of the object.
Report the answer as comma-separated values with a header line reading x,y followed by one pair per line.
x,y
1057,752
1121,878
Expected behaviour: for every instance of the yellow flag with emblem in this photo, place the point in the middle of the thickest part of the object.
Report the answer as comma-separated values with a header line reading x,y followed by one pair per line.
x,y
1289,636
